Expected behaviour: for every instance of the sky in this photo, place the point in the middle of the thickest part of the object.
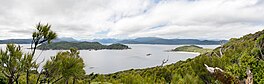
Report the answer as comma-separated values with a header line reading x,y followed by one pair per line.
x,y
123,19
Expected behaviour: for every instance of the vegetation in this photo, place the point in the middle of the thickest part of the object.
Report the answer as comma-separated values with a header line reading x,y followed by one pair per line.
x,y
192,48
235,58
42,35
65,66
11,63
81,46
18,67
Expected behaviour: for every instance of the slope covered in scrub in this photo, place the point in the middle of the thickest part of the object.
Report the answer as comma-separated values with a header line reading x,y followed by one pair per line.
x,y
234,58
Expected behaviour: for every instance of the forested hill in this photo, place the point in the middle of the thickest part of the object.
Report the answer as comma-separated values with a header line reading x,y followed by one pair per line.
x,y
236,60
192,48
81,46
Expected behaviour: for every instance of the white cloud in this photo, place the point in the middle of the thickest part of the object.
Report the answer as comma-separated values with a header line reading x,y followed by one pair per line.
x,y
199,19
83,19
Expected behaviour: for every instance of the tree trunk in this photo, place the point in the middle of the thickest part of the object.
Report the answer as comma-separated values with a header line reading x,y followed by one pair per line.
x,y
39,76
34,49
73,82
33,53
66,81
16,79
17,82
27,76
10,80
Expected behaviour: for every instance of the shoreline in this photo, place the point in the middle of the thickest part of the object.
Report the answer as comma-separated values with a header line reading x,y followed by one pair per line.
x,y
185,52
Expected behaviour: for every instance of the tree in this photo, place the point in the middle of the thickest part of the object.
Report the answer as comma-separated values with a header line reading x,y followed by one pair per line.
x,y
42,35
29,64
14,62
68,65
11,62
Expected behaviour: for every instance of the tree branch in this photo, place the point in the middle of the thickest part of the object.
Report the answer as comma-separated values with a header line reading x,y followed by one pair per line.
x,y
6,74
57,80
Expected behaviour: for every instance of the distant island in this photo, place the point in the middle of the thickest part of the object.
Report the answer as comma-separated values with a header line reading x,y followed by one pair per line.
x,y
192,48
81,46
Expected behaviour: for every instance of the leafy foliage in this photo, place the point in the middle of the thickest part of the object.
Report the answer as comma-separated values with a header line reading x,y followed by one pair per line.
x,y
42,35
65,65
11,62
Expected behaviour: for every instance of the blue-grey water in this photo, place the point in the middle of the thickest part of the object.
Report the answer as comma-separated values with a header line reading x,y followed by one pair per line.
x,y
110,61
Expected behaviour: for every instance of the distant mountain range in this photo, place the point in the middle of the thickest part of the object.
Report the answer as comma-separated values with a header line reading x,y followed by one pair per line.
x,y
65,39
155,40
28,41
141,40
105,41
16,41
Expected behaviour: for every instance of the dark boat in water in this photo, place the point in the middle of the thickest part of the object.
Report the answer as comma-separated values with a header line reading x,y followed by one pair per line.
x,y
148,54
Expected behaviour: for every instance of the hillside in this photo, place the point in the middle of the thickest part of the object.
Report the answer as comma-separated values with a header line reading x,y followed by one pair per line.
x,y
81,46
235,58
192,48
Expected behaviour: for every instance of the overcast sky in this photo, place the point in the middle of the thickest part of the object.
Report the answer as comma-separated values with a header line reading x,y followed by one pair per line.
x,y
89,19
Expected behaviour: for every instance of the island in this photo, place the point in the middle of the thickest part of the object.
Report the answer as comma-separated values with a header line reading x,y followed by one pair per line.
x,y
81,46
192,48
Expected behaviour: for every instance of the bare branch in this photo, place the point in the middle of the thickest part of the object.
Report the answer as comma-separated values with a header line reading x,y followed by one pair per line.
x,y
164,61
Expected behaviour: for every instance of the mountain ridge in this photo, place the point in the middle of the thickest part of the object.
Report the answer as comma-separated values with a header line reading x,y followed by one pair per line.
x,y
157,40
140,40
28,41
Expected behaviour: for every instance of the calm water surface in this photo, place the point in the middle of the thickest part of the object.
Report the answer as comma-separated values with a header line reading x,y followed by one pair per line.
x,y
110,61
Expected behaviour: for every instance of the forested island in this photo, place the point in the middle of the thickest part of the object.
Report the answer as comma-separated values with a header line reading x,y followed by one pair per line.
x,y
81,46
192,48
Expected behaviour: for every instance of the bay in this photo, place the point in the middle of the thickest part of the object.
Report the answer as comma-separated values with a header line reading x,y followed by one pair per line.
x,y
110,61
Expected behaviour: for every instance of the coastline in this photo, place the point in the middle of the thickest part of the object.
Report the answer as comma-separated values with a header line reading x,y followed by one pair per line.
x,y
185,52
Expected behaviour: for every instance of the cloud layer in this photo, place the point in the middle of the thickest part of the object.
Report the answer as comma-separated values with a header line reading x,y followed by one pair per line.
x,y
88,19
